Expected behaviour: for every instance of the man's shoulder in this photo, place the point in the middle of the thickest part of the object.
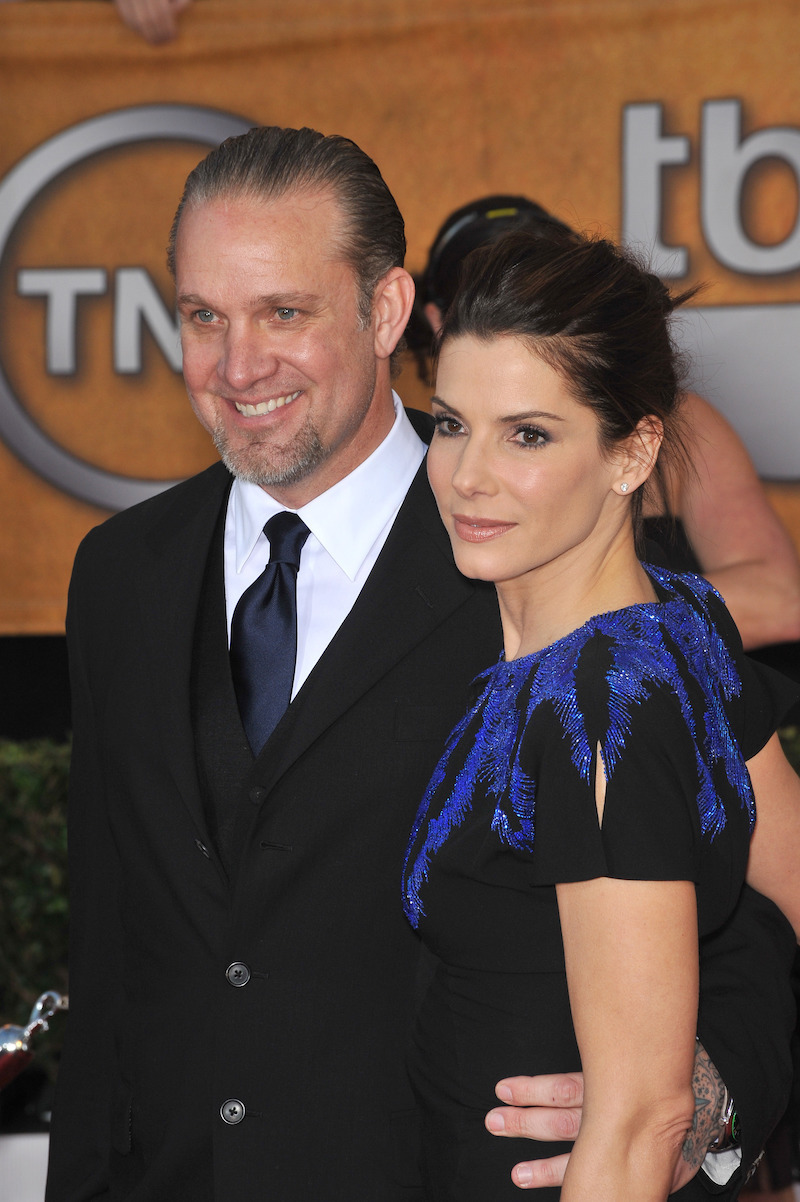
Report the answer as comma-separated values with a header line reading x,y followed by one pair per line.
x,y
196,498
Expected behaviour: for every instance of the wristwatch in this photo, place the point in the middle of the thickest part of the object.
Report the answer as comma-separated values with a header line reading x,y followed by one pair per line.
x,y
729,1136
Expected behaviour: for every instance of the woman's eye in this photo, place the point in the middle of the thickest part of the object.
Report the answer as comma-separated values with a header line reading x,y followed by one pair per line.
x,y
531,436
447,425
285,313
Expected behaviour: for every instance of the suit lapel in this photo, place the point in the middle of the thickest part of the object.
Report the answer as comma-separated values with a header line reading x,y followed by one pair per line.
x,y
411,590
178,546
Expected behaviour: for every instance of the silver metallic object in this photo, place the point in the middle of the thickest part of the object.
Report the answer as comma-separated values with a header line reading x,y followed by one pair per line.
x,y
15,1042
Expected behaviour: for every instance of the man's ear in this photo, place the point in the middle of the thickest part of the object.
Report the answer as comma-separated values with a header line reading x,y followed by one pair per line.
x,y
391,309
636,457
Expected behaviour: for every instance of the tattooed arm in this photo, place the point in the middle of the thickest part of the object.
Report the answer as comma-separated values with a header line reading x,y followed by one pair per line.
x,y
710,1098
549,1108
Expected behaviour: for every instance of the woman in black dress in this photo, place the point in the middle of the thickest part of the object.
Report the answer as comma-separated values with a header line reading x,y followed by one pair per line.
x,y
591,817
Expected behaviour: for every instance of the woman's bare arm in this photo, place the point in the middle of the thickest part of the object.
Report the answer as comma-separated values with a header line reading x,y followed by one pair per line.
x,y
631,952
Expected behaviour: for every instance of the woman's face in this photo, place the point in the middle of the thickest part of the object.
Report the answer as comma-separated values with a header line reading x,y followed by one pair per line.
x,y
516,465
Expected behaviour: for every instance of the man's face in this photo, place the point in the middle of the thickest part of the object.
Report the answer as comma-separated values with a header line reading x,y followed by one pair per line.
x,y
278,366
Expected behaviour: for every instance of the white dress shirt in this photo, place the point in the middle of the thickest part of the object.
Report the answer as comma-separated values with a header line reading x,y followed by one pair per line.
x,y
349,525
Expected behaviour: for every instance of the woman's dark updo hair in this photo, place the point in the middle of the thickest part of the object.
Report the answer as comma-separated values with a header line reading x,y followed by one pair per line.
x,y
591,312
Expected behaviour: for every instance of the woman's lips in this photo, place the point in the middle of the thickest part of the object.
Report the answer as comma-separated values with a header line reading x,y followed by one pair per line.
x,y
479,530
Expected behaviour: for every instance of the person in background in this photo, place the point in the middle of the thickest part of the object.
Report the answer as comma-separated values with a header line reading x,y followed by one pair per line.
x,y
728,530
155,20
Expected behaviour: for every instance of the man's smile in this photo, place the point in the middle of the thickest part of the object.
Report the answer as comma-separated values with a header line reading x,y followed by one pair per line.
x,y
266,406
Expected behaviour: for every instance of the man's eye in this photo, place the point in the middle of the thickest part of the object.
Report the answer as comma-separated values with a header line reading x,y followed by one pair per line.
x,y
285,313
204,315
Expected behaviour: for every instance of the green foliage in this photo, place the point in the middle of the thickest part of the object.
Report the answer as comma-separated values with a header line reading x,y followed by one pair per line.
x,y
33,880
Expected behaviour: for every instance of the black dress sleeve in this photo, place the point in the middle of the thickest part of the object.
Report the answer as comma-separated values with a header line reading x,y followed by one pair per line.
x,y
650,828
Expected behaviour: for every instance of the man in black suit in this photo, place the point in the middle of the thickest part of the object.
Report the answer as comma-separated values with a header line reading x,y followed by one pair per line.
x,y
242,979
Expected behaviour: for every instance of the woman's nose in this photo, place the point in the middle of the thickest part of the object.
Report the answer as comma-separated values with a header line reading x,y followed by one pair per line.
x,y
472,474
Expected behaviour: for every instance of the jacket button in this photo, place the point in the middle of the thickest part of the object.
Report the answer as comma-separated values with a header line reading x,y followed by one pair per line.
x,y
257,795
238,974
232,1111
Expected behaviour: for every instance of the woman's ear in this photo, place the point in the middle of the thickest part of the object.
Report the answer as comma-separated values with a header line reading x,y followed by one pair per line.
x,y
391,309
636,457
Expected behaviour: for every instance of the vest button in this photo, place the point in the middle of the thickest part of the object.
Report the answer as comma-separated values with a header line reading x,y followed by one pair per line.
x,y
238,974
232,1111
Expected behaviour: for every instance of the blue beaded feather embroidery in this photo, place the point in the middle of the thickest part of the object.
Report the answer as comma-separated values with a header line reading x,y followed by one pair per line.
x,y
650,645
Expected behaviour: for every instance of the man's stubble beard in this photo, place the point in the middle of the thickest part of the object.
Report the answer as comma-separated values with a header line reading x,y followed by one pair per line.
x,y
269,464
255,463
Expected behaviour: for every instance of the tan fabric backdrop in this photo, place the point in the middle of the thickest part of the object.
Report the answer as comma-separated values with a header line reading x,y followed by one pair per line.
x,y
453,98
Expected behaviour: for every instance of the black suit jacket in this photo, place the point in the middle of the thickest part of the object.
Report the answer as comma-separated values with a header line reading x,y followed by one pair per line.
x,y
310,1048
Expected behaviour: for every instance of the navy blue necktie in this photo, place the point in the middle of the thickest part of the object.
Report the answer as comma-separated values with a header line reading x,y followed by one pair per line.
x,y
264,633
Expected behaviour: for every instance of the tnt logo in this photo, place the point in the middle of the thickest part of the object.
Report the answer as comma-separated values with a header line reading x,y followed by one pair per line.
x,y
90,398
137,306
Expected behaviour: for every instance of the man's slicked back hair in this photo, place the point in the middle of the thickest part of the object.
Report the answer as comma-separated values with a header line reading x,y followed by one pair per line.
x,y
269,162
